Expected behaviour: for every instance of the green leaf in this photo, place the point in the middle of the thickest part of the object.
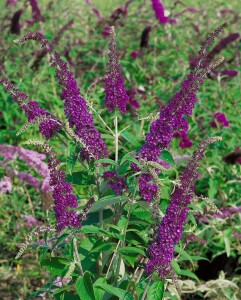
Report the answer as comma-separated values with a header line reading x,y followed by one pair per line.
x,y
60,239
175,266
227,245
194,258
99,293
156,291
56,265
92,229
130,138
130,254
121,294
188,274
129,157
183,253
166,156
107,161
80,178
107,201
134,250
84,287
73,151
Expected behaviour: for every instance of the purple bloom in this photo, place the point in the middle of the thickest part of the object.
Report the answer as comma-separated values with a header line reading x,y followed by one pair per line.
x,y
106,31
171,119
229,73
169,232
15,25
36,11
32,159
221,118
65,201
223,43
116,96
159,9
6,185
135,54
75,105
145,36
11,2
97,13
147,189
31,221
117,184
47,127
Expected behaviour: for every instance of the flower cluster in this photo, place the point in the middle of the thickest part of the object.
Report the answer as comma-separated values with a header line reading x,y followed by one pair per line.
x,y
75,104
171,118
32,159
169,232
117,184
159,9
184,139
6,185
116,96
220,118
15,22
226,212
64,200
36,11
49,126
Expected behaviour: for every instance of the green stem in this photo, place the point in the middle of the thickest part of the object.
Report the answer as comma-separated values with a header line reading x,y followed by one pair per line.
x,y
146,289
76,252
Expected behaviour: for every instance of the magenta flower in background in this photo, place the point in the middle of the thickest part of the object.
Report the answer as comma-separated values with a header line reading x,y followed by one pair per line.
x,y
6,185
31,221
145,37
97,13
15,22
11,2
159,9
106,31
116,96
135,54
220,118
32,159
229,73
36,11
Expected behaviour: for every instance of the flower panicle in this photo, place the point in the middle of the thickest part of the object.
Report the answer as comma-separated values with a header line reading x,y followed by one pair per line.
x,y
116,96
169,232
75,105
49,126
65,201
29,238
172,121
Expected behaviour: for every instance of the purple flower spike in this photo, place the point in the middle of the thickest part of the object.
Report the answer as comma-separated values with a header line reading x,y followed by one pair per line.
x,y
36,11
32,110
15,25
171,119
221,118
116,183
159,9
75,105
11,2
6,185
169,232
116,97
